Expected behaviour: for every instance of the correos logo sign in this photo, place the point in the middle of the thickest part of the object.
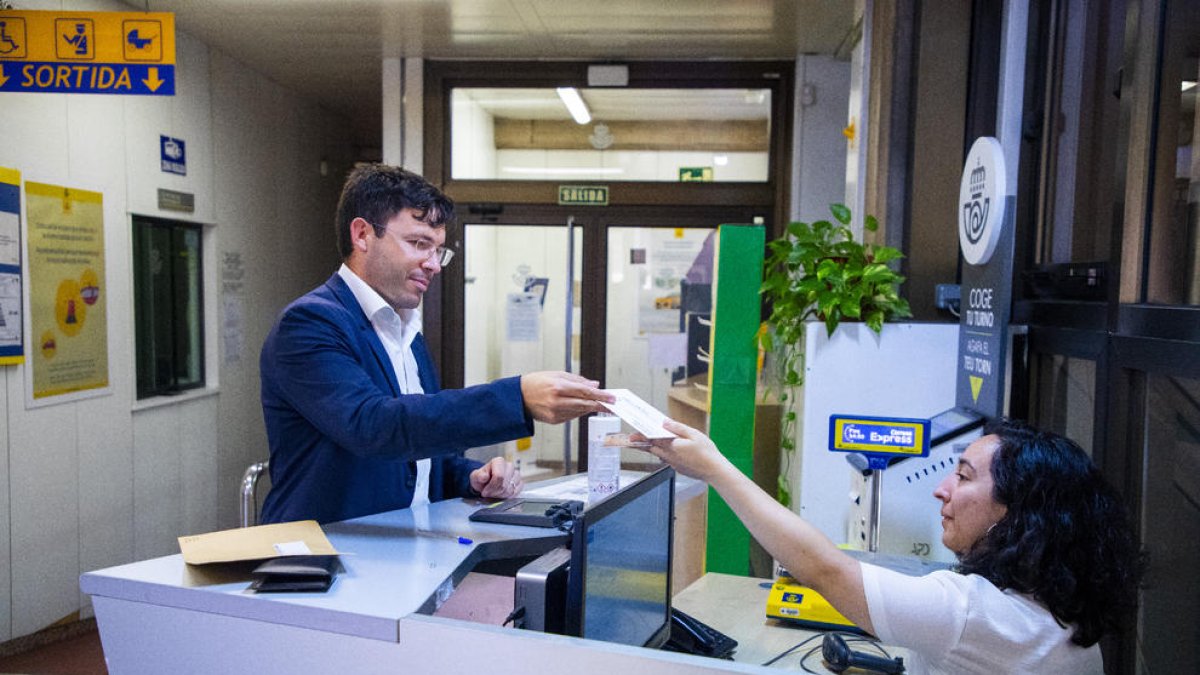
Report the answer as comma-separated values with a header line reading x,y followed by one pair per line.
x,y
981,200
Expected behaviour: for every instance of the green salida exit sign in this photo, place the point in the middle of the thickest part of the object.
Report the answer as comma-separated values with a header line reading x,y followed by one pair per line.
x,y
583,195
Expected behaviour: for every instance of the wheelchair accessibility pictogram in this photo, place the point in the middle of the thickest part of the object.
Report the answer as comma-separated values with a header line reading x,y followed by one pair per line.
x,y
12,38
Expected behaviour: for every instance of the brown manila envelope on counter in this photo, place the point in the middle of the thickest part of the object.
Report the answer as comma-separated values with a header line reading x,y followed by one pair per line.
x,y
303,537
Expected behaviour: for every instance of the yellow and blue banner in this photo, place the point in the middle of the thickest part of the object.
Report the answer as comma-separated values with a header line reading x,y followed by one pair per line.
x,y
129,53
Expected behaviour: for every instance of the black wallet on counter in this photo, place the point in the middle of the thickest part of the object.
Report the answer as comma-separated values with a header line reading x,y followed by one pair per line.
x,y
296,574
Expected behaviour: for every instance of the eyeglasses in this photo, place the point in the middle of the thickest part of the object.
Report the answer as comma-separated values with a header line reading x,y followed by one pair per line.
x,y
425,248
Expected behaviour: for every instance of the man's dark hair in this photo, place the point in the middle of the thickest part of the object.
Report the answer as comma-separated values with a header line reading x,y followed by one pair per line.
x,y
377,192
1066,539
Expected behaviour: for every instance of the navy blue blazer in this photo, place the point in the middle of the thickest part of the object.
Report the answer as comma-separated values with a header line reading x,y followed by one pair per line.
x,y
344,440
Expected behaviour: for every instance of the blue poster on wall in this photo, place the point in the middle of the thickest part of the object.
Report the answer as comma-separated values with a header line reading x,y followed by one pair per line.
x,y
11,324
173,152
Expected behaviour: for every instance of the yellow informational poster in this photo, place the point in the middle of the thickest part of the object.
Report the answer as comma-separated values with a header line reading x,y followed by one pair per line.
x,y
67,310
11,348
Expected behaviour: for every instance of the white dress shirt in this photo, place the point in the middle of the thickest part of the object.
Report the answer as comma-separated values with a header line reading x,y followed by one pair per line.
x,y
396,332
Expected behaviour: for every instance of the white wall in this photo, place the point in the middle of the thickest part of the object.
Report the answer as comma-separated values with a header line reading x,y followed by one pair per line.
x,y
108,480
819,151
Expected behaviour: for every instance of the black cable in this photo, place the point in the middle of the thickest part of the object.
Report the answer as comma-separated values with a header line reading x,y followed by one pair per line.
x,y
792,649
517,613
850,638
804,659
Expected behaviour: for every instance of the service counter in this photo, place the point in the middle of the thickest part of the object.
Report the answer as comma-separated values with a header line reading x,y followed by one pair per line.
x,y
380,615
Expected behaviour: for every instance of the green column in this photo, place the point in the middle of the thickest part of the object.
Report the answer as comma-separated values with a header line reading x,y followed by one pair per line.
x,y
732,381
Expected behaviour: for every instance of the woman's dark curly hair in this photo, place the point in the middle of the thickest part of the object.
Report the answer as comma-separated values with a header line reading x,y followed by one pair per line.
x,y
1066,539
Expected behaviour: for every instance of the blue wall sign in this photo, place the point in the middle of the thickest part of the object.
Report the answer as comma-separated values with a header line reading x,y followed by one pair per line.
x,y
173,153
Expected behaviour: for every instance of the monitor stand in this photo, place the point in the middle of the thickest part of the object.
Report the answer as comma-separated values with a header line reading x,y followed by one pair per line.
x,y
541,588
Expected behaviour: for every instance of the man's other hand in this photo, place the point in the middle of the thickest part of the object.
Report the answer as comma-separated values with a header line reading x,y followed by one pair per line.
x,y
497,479
555,396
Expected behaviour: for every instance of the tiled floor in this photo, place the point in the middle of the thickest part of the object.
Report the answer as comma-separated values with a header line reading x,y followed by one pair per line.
x,y
79,655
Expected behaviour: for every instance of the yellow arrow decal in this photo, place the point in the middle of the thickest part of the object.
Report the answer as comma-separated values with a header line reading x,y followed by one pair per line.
x,y
152,82
3,77
976,385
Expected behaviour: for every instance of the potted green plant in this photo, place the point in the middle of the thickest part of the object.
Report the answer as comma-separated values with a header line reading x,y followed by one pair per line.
x,y
820,271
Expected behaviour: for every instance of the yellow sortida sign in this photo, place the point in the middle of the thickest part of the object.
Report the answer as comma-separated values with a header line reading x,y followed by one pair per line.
x,y
87,52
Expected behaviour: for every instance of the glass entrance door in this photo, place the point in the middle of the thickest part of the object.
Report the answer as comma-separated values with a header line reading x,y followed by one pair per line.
x,y
516,320
658,302
635,307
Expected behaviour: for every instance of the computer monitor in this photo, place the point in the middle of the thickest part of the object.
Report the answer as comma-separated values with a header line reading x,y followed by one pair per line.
x,y
619,581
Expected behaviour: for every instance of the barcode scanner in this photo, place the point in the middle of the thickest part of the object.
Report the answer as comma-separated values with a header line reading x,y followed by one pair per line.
x,y
839,657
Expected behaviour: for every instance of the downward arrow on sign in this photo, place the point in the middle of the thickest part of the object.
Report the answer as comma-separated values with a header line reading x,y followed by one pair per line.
x,y
152,82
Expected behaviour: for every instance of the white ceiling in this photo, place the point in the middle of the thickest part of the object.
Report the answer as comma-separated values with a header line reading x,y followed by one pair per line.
x,y
330,50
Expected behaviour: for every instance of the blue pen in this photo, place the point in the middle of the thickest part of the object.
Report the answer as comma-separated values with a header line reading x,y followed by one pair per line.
x,y
464,540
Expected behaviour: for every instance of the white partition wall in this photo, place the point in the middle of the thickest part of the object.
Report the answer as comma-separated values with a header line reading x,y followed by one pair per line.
x,y
103,481
908,371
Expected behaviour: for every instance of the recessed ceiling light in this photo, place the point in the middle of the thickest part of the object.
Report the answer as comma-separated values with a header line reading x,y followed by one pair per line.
x,y
562,170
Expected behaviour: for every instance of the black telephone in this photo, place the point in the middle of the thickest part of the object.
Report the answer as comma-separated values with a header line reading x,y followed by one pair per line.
x,y
692,636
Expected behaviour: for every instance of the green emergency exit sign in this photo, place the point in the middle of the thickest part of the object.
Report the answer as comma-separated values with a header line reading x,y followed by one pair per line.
x,y
583,195
695,174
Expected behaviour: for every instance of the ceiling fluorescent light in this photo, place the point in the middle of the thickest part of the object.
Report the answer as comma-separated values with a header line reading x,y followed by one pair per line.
x,y
563,170
1186,84
574,102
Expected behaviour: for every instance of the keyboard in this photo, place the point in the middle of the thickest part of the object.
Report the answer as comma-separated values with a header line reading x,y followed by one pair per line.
x,y
692,636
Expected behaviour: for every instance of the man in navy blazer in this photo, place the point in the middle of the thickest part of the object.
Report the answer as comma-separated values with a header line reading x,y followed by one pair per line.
x,y
355,418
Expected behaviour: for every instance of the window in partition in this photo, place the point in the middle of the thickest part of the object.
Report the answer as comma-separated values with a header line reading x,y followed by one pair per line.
x,y
168,306
1077,174
1066,397
1171,524
665,135
1173,272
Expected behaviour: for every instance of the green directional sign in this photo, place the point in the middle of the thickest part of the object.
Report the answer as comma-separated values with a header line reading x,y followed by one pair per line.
x,y
87,52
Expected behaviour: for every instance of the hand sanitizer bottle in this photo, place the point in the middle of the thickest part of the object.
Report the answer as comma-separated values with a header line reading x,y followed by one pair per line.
x,y
604,462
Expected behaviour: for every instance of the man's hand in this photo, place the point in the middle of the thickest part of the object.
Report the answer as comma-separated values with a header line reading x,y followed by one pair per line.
x,y
555,396
497,479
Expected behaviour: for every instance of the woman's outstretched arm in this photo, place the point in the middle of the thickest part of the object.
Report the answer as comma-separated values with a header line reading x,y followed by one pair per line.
x,y
806,552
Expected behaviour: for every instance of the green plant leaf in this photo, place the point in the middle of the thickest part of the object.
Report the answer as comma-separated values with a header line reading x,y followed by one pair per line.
x,y
851,307
831,324
877,272
886,254
874,320
827,300
841,213
826,267
870,224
